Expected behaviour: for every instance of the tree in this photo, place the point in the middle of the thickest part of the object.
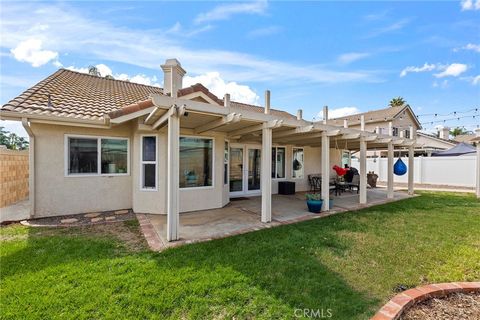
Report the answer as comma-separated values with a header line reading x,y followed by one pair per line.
x,y
12,141
93,71
458,131
397,102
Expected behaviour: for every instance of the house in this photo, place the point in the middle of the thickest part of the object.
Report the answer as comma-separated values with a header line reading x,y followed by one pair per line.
x,y
402,118
100,144
466,138
429,143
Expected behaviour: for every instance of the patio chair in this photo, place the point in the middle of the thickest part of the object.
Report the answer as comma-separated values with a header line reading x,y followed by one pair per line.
x,y
311,182
355,183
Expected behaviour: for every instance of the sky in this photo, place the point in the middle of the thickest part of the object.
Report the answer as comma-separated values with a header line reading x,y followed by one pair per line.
x,y
350,56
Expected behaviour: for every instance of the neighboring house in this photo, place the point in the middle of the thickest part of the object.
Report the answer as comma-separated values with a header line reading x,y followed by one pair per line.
x,y
402,119
430,143
467,138
100,144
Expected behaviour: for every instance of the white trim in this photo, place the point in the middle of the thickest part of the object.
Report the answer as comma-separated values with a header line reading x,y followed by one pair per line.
x,y
213,160
99,156
284,163
226,162
142,188
303,164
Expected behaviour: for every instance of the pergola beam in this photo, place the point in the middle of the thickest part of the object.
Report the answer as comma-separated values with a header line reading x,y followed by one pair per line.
x,y
297,130
229,118
267,125
180,111
152,115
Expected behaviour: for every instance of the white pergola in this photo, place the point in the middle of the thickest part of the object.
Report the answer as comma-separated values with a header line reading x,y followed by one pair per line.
x,y
246,125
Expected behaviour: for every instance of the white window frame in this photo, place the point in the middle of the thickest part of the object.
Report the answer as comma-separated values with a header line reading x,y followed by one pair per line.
x,y
142,188
213,161
99,156
226,162
303,164
284,163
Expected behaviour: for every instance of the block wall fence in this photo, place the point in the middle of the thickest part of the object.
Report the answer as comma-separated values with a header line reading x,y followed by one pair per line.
x,y
13,176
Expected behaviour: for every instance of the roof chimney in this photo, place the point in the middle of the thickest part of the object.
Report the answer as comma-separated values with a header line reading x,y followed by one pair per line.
x,y
172,77
444,133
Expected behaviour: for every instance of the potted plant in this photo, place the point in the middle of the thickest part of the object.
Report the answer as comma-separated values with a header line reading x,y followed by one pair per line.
x,y
314,202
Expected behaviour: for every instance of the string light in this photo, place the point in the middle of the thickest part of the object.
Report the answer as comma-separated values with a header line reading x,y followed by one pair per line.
x,y
447,114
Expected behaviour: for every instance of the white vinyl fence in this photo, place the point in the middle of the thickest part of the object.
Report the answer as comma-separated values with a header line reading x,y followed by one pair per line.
x,y
452,171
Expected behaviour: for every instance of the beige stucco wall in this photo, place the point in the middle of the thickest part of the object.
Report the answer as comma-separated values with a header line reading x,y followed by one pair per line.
x,y
57,194
190,199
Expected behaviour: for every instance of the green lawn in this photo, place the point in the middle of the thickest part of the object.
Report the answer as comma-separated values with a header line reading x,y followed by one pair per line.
x,y
349,263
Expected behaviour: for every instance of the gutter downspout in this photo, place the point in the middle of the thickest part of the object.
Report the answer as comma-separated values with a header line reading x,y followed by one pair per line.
x,y
31,166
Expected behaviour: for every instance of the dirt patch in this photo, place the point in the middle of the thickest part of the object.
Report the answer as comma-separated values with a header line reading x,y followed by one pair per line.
x,y
459,306
126,232
82,219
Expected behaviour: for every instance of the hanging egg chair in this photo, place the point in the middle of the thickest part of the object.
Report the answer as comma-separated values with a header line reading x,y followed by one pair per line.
x,y
399,168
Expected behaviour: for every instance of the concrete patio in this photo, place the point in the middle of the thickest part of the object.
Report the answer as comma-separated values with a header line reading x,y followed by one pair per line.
x,y
243,215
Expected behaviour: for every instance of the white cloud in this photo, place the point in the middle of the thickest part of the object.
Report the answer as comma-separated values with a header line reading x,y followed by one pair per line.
x,y
350,57
470,5
443,84
470,46
263,32
225,11
31,51
400,24
339,112
71,32
424,68
476,80
453,70
107,71
218,86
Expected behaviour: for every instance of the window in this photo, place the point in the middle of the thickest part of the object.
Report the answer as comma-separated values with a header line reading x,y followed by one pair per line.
x,y
395,132
297,163
114,155
407,134
196,162
97,156
148,161
225,163
278,162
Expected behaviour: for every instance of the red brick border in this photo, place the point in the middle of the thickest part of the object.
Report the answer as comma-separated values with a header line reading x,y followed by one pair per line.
x,y
394,308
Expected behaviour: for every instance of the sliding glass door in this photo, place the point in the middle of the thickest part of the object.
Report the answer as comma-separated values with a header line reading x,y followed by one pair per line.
x,y
245,172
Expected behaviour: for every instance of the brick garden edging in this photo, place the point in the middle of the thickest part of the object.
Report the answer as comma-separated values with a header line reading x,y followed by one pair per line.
x,y
394,308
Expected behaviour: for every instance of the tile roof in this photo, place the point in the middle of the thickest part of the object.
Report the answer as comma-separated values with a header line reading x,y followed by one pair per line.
x,y
78,95
250,107
433,136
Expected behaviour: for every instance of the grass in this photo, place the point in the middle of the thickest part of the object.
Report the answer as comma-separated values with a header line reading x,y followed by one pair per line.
x,y
349,263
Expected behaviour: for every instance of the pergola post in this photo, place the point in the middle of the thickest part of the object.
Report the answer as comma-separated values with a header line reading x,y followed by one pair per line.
x,y
478,162
390,164
363,170
325,164
173,172
266,180
363,164
411,163
266,175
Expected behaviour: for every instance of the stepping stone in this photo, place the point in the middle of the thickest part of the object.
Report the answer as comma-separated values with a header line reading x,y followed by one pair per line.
x,y
96,220
92,215
109,218
121,212
70,220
